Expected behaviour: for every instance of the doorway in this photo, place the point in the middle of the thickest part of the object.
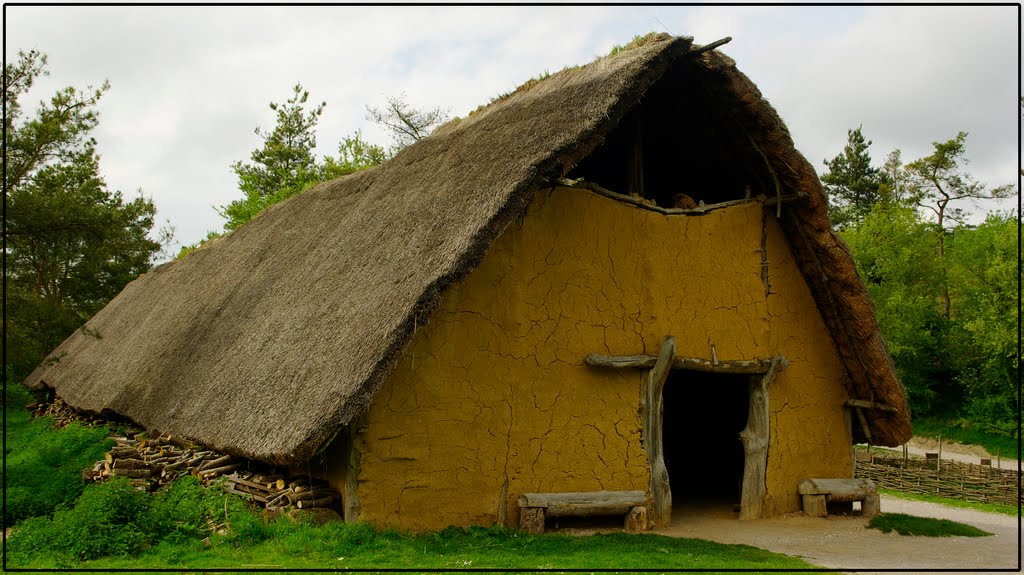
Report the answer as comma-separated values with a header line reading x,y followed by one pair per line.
x,y
704,415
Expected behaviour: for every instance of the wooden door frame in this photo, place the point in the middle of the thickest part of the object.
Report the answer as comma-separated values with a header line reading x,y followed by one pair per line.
x,y
755,436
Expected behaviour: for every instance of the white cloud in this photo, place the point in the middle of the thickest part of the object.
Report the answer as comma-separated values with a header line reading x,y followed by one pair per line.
x,y
189,84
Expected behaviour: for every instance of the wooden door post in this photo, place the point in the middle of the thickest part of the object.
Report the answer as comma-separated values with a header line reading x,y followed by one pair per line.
x,y
755,443
654,408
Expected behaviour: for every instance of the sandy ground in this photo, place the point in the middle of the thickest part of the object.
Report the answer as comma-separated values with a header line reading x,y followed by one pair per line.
x,y
843,542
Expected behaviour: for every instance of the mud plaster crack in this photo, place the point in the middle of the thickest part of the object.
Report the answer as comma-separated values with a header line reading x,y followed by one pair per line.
x,y
764,254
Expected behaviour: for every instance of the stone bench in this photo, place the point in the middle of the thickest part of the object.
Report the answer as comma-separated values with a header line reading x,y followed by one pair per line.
x,y
818,493
534,508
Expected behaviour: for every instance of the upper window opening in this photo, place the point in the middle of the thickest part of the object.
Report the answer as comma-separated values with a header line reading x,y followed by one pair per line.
x,y
678,148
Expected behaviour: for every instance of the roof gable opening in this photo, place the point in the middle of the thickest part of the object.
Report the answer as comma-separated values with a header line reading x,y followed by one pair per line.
x,y
679,146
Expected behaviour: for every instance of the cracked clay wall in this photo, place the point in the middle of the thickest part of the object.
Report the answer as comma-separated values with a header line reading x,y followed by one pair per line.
x,y
491,398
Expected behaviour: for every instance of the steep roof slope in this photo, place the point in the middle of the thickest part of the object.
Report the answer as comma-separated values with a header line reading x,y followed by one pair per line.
x,y
266,341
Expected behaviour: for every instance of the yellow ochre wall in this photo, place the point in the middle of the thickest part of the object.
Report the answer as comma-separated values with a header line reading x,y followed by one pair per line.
x,y
491,398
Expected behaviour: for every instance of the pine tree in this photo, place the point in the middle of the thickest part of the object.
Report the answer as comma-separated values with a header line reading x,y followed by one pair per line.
x,y
851,183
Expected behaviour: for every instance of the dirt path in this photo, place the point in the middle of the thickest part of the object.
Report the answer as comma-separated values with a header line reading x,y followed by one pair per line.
x,y
954,451
845,543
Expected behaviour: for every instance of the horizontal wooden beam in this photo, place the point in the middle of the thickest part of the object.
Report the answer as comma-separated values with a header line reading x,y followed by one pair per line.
x,y
584,503
863,403
750,366
698,211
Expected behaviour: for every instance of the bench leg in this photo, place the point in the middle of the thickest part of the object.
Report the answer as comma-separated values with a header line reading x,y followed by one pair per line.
x,y
871,505
636,519
531,520
814,506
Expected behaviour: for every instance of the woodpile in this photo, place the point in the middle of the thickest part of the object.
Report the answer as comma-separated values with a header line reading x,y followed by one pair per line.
x,y
62,413
275,492
152,463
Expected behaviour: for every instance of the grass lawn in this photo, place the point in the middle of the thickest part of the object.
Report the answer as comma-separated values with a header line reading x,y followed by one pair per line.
x,y
988,507
283,544
60,522
1004,446
922,526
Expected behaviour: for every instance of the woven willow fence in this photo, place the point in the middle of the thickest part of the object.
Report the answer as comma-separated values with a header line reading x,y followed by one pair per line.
x,y
953,479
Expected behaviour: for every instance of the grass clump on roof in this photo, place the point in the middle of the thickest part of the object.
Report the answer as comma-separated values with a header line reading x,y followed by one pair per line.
x,y
636,42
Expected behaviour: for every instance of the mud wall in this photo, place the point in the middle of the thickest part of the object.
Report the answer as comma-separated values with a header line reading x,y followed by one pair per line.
x,y
491,398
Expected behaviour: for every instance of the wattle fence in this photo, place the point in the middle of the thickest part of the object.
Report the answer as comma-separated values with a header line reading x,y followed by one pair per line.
x,y
944,478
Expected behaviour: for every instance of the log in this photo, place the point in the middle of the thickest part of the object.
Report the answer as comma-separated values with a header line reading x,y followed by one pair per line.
x,y
219,462
278,498
311,503
254,496
751,366
531,520
838,489
636,519
198,458
131,464
653,413
863,403
294,498
871,506
277,484
755,439
584,503
252,484
118,452
211,472
133,473
814,505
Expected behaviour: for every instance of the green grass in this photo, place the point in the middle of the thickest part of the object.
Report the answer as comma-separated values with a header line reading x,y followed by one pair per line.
x,y
978,506
284,544
65,523
922,526
1004,446
44,464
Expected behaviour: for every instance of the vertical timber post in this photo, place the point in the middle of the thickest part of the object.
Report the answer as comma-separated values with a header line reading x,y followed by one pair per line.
x,y
755,444
653,405
354,462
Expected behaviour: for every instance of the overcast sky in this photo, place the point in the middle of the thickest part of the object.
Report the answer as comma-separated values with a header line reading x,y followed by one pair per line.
x,y
190,84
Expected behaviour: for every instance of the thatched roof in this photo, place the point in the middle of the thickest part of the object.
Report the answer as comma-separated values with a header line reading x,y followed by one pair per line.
x,y
265,342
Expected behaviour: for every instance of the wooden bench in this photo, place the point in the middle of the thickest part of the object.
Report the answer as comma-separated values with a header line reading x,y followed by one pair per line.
x,y
534,508
818,493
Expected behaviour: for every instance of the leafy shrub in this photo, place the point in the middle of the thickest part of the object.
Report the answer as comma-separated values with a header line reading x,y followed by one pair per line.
x,y
107,519
44,464
183,510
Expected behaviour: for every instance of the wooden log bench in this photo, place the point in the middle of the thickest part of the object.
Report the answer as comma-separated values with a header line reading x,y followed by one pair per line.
x,y
534,508
818,493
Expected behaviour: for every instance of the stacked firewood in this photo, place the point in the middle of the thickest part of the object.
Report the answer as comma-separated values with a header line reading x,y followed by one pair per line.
x,y
152,463
275,492
62,413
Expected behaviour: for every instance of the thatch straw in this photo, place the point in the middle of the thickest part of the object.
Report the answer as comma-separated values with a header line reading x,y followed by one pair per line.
x,y
264,343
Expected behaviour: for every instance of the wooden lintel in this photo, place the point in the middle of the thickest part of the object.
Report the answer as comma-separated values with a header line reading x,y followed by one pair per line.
x,y
749,366
865,404
698,211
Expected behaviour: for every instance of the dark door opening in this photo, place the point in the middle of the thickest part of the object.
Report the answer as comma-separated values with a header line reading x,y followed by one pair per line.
x,y
704,415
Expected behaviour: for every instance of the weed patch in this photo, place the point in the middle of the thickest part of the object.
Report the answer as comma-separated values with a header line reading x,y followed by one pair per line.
x,y
923,526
